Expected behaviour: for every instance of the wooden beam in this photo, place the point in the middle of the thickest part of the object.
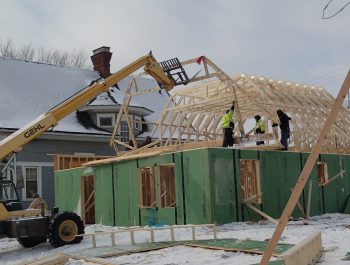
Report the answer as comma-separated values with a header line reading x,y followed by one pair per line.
x,y
306,171
262,213
329,181
299,206
309,200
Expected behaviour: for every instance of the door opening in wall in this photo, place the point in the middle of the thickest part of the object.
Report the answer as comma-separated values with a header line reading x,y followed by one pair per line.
x,y
250,181
147,191
88,199
166,186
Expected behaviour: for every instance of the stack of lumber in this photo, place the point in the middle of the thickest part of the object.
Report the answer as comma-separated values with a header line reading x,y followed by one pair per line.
x,y
55,259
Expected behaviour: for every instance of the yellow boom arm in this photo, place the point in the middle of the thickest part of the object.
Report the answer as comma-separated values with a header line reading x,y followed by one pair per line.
x,y
14,142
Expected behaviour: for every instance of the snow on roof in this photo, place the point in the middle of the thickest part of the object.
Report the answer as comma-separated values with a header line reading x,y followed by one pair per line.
x,y
30,88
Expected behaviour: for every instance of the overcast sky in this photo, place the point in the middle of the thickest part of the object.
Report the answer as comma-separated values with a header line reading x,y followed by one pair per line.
x,y
285,40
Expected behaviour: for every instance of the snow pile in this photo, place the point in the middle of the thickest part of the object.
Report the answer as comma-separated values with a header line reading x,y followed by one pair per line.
x,y
334,227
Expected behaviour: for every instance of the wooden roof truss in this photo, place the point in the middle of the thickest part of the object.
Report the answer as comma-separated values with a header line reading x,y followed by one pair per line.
x,y
192,116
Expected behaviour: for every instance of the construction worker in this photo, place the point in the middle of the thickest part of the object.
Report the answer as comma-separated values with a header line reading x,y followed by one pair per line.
x,y
38,201
260,130
147,141
284,126
228,126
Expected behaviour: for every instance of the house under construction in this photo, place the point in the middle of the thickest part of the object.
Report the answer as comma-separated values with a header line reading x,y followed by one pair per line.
x,y
184,176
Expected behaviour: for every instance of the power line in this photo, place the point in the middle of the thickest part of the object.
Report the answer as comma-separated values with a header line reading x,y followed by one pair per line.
x,y
333,81
326,74
335,13
328,78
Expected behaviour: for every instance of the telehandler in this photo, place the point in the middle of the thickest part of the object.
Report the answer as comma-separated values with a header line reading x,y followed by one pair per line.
x,y
33,226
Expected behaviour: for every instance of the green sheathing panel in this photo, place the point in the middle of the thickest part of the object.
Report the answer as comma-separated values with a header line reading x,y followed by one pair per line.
x,y
126,193
222,186
290,169
60,189
158,160
68,188
335,195
245,213
196,176
279,171
179,189
316,192
104,195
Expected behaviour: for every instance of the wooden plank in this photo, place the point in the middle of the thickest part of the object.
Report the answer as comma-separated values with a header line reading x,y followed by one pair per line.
x,y
299,206
263,214
309,201
58,258
306,171
330,249
152,235
302,244
113,239
132,238
93,241
172,234
336,176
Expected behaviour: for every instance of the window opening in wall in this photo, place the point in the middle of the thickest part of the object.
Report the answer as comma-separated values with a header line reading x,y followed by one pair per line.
x,y
105,122
137,126
250,181
88,199
147,191
166,186
31,176
124,131
322,172
105,119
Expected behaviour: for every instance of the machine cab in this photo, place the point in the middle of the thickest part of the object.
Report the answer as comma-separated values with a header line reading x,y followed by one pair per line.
x,y
9,196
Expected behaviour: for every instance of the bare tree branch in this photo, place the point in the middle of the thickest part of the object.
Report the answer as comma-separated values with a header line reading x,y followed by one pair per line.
x,y
75,58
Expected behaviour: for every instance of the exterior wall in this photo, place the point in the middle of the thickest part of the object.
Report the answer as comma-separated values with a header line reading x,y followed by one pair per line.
x,y
336,194
103,189
208,187
34,154
223,186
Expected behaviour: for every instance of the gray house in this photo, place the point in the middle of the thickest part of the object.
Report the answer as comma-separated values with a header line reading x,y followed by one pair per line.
x,y
30,88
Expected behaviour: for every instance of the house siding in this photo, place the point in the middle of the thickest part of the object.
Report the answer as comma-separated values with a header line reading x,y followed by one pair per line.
x,y
35,153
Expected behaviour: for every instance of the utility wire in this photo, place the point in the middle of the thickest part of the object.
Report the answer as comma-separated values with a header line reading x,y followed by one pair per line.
x,y
333,81
335,13
326,74
328,78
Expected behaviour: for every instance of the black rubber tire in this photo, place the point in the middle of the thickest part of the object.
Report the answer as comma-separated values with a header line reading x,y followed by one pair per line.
x,y
55,234
29,242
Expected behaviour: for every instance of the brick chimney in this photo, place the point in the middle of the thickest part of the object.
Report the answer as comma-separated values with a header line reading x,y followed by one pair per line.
x,y
100,59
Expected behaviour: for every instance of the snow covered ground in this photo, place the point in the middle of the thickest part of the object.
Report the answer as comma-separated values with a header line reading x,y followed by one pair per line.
x,y
335,232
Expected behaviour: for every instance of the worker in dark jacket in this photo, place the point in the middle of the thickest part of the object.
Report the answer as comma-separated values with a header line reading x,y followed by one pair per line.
x,y
228,126
147,141
284,126
131,143
260,130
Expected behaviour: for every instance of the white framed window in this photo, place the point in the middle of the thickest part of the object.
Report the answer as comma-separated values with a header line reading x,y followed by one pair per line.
x,y
137,126
32,182
105,120
124,132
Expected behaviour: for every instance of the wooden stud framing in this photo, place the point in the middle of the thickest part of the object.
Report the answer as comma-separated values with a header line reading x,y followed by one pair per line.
x,y
250,179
